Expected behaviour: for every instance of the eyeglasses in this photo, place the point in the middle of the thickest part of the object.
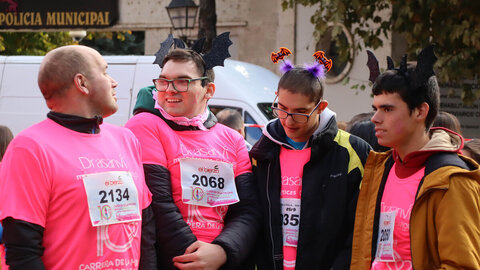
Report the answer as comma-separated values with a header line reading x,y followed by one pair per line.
x,y
180,85
297,117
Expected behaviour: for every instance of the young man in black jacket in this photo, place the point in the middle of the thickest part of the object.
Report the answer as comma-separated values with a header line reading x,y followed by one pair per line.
x,y
308,174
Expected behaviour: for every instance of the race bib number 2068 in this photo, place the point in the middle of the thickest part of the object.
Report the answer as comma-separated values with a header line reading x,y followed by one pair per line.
x,y
207,183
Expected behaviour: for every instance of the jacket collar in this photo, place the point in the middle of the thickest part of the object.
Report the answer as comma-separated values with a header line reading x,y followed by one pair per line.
x,y
77,123
441,140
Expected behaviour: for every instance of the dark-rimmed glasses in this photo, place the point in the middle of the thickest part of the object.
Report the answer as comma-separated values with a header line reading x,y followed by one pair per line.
x,y
297,117
180,85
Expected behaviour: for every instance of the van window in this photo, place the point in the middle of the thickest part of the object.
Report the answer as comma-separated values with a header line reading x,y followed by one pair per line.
x,y
266,109
254,132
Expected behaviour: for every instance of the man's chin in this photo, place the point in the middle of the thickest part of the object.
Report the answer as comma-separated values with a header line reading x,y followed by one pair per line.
x,y
110,112
174,113
383,143
291,135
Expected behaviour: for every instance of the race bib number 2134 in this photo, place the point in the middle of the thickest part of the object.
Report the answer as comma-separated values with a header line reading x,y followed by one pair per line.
x,y
112,197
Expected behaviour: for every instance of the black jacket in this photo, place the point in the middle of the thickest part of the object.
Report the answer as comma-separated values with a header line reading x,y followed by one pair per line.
x,y
330,188
173,234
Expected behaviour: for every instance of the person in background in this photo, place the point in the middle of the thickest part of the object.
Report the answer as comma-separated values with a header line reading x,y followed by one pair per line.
x,y
6,136
73,190
361,126
308,174
419,205
358,118
447,120
471,149
342,125
233,119
204,197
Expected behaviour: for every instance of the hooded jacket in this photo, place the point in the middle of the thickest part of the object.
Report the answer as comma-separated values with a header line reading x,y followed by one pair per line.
x,y
330,186
445,216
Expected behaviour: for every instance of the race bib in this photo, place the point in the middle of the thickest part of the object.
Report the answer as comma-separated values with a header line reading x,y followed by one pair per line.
x,y
112,198
385,252
207,183
290,221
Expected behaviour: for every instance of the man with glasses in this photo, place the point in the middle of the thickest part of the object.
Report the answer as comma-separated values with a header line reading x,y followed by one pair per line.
x,y
199,173
308,174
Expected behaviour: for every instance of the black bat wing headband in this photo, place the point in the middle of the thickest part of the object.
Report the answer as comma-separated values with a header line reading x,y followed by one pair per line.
x,y
372,64
163,51
215,57
219,52
423,70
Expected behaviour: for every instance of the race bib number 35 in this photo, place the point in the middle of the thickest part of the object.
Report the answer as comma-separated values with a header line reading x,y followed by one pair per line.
x,y
207,183
112,197
290,221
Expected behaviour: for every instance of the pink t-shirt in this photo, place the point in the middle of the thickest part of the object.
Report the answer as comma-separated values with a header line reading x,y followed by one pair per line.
x,y
290,199
41,182
398,198
163,146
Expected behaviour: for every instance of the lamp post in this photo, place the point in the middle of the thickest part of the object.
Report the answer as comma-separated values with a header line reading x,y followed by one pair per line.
x,y
77,35
182,14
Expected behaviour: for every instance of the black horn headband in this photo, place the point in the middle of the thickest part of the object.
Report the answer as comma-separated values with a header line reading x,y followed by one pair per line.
x,y
423,70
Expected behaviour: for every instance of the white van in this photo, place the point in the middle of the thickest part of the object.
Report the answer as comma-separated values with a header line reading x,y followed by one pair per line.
x,y
246,87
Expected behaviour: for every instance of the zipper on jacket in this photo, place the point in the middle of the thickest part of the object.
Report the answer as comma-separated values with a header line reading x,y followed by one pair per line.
x,y
270,216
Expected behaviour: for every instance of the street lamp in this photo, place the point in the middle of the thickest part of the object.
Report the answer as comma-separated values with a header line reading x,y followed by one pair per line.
x,y
77,35
182,14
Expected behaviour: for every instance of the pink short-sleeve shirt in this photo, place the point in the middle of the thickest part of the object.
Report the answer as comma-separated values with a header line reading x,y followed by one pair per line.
x,y
41,183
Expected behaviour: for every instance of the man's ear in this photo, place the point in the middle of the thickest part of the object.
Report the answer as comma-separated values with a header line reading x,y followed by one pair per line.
x,y
421,111
210,90
80,83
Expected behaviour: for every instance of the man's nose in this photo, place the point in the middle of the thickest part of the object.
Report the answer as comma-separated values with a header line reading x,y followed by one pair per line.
x,y
375,118
289,119
171,88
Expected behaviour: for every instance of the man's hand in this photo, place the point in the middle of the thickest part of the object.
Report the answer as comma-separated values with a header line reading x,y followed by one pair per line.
x,y
201,256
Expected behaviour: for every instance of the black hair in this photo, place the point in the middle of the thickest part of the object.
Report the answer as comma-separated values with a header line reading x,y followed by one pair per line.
x,y
395,81
185,55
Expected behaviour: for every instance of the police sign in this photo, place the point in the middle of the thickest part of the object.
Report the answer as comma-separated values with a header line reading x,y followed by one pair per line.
x,y
57,14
